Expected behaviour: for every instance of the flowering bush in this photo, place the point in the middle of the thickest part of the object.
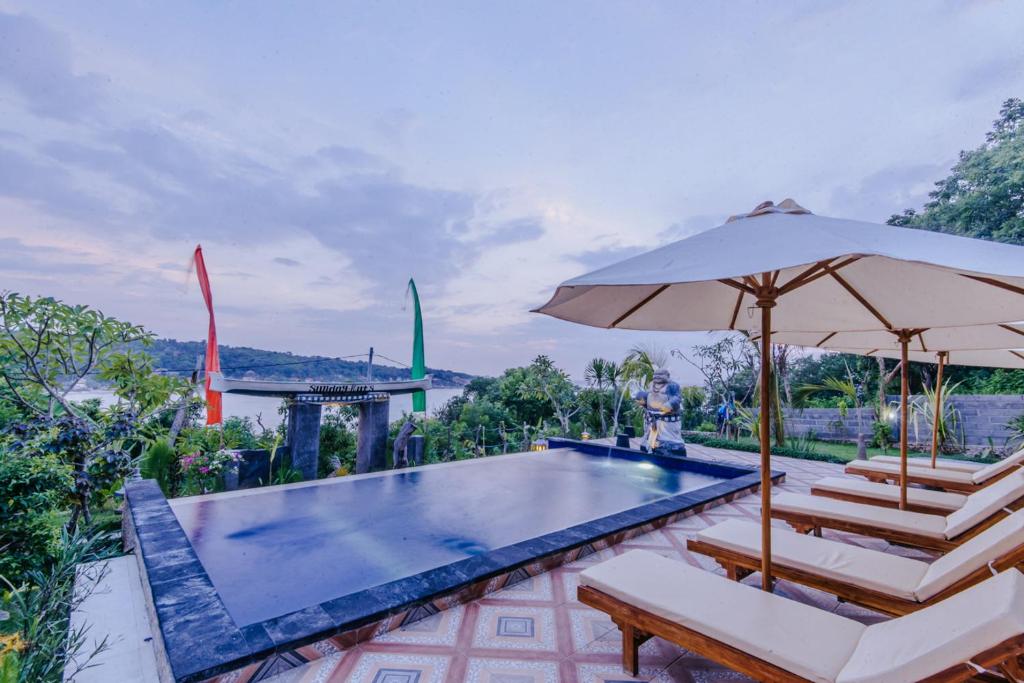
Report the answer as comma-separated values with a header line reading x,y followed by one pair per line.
x,y
202,470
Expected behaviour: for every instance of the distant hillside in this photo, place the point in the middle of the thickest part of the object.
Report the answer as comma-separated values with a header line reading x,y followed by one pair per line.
x,y
242,361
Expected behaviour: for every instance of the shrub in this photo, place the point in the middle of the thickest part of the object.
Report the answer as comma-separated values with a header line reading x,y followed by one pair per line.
x,y
34,490
160,463
715,442
707,427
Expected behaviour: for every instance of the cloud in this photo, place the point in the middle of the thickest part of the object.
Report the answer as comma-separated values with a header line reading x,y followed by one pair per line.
x,y
999,75
286,261
887,191
35,61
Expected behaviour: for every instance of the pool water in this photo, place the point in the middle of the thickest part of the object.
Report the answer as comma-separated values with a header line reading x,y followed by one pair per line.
x,y
272,551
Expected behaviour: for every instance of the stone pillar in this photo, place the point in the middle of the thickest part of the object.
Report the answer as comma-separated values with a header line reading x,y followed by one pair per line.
x,y
415,449
372,444
304,437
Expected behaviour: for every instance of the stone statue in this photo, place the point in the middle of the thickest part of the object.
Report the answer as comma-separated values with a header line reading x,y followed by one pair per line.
x,y
662,404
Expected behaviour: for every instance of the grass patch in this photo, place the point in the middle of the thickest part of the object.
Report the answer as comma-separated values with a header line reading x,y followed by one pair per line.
x,y
823,451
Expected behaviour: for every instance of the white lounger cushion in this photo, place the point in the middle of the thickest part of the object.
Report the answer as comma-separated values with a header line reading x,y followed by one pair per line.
x,y
983,504
992,543
805,640
893,471
889,493
813,643
940,463
889,574
998,467
940,636
886,518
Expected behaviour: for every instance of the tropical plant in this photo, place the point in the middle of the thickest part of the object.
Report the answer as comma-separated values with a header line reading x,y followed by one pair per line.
x,y
922,409
38,610
544,379
159,463
600,374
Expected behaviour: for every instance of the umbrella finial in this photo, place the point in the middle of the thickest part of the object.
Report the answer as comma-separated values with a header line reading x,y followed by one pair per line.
x,y
768,206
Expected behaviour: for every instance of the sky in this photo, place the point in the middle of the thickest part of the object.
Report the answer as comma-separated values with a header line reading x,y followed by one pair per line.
x,y
323,153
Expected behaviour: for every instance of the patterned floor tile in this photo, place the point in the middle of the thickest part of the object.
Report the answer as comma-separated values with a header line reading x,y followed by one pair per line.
x,y
515,628
613,673
376,667
589,625
483,670
438,629
531,588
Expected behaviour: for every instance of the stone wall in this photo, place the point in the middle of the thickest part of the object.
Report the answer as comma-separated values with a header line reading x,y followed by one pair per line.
x,y
982,418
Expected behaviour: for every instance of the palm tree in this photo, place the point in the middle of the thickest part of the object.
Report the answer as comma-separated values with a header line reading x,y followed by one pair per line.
x,y
598,374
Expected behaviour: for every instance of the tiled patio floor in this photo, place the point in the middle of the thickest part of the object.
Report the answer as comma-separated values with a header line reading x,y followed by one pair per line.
x,y
536,632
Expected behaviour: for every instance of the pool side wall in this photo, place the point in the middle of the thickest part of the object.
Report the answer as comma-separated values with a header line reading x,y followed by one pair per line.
x,y
201,641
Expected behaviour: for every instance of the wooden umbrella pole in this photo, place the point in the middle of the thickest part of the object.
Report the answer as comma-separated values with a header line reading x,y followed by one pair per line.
x,y
937,413
904,392
766,301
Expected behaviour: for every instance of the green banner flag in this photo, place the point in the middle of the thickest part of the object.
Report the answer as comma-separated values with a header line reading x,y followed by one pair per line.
x,y
419,368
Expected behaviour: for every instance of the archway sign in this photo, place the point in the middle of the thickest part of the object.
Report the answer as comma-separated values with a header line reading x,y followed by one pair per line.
x,y
305,402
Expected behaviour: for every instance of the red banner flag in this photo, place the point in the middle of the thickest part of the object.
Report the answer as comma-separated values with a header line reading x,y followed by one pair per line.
x,y
214,409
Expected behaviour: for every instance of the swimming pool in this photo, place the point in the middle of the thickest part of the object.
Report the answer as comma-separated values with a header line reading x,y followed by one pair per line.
x,y
236,575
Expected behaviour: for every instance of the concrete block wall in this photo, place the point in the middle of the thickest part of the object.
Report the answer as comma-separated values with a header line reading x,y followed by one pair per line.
x,y
982,418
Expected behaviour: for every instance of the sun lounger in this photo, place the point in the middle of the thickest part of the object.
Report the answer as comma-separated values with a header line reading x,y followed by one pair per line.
x,y
936,532
772,638
887,495
947,480
882,581
940,463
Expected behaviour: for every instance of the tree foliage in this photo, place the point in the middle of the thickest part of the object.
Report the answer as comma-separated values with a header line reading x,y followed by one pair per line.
x,y
983,196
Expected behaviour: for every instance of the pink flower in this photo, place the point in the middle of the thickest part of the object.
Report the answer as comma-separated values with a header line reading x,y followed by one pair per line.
x,y
204,470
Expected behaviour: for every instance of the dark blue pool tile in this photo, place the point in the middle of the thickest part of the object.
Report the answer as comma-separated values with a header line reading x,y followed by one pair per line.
x,y
177,571
355,609
258,639
300,624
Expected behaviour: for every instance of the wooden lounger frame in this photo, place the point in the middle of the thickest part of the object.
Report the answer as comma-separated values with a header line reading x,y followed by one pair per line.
x,y
809,523
911,506
638,626
925,480
737,565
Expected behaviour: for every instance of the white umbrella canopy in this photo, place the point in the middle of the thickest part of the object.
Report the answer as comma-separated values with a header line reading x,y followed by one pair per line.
x,y
1010,359
803,273
896,277
926,341
973,345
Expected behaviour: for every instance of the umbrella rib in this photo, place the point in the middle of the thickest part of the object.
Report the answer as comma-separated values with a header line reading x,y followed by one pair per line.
x,y
830,335
863,302
739,285
921,339
995,283
736,311
1011,328
1018,354
643,302
819,269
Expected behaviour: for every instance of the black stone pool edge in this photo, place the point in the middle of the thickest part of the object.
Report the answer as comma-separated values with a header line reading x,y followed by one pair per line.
x,y
198,638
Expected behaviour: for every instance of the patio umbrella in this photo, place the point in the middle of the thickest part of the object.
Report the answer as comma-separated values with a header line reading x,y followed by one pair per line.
x,y
979,345
986,358
800,272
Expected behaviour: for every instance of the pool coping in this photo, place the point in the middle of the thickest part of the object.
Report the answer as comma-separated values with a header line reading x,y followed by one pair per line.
x,y
198,638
